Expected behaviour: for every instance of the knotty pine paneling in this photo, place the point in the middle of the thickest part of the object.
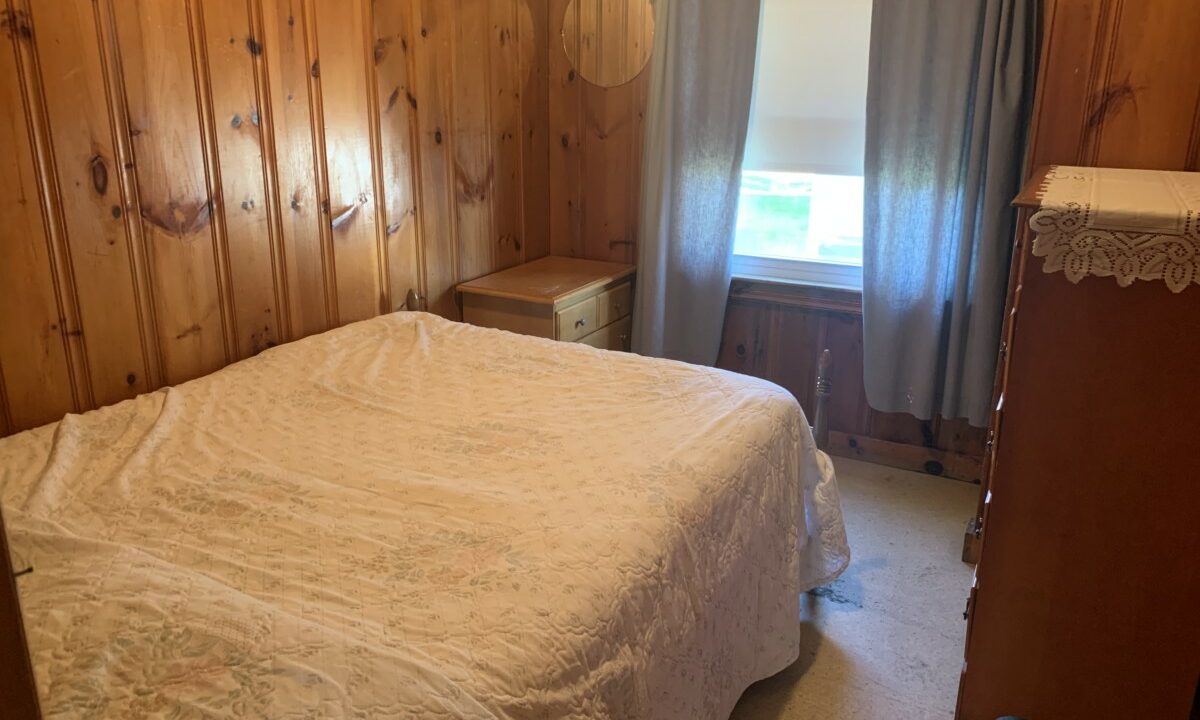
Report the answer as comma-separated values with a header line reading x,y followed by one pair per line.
x,y
155,43
239,175
299,178
91,203
777,332
192,181
394,99
595,157
38,381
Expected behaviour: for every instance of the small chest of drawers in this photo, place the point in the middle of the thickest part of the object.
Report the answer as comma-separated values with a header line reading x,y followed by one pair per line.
x,y
561,298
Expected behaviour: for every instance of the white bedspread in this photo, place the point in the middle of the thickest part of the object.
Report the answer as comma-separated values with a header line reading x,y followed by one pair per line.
x,y
409,517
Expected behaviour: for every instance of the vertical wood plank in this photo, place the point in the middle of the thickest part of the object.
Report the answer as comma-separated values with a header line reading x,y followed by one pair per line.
x,y
534,42
345,122
33,348
433,63
744,340
796,346
33,351
164,124
848,409
93,205
292,127
504,102
46,172
567,216
1146,44
397,100
243,202
473,160
611,151
118,114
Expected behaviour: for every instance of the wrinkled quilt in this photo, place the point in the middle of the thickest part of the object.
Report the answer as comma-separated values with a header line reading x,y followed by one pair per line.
x,y
409,517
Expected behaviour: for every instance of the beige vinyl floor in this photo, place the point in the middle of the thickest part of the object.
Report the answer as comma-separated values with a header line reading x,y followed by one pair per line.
x,y
885,639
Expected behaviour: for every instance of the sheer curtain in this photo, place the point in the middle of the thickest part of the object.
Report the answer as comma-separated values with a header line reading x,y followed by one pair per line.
x,y
702,77
948,96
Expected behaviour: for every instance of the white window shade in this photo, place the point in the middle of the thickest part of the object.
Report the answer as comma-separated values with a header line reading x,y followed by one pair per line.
x,y
810,92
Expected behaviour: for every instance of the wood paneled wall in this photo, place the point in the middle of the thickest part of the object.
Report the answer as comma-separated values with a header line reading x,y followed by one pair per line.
x,y
595,157
1120,85
776,331
188,182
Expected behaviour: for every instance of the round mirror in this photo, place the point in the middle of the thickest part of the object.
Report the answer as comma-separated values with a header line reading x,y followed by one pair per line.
x,y
609,41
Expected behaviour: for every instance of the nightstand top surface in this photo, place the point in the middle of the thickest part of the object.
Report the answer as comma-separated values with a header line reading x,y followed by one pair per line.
x,y
548,280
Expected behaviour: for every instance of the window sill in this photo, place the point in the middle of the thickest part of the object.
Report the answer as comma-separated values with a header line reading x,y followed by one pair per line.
x,y
805,272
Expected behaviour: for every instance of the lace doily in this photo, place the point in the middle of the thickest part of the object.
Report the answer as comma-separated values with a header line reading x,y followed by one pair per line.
x,y
1126,224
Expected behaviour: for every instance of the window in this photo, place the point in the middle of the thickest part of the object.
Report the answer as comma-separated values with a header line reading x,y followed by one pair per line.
x,y
800,213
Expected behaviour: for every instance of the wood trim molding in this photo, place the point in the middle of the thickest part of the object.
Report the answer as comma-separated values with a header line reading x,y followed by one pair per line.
x,y
18,691
908,457
813,297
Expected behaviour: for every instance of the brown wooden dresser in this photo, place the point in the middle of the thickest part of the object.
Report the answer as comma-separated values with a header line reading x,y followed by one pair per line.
x,y
1086,601
562,298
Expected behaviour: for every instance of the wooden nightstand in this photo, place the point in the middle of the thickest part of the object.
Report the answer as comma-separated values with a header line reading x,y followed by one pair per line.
x,y
560,298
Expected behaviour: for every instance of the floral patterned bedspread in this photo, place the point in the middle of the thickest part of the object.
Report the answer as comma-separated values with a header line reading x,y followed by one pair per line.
x,y
409,517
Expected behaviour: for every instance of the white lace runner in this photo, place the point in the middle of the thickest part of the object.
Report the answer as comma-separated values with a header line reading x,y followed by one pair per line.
x,y
1126,224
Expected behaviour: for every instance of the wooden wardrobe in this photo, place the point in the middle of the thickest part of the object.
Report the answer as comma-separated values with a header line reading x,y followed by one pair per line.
x,y
1086,601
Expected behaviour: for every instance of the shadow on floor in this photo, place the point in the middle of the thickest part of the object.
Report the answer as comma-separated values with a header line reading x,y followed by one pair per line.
x,y
769,698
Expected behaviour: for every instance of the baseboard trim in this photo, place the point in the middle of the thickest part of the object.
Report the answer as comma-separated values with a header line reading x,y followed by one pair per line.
x,y
906,457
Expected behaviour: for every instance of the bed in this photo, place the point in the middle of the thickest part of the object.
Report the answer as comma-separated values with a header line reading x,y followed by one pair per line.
x,y
410,517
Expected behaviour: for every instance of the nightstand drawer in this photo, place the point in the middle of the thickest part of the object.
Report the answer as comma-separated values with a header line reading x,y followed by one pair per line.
x,y
611,337
613,304
576,321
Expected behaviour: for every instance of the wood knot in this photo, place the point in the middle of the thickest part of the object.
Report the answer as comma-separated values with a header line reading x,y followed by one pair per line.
x,y
131,379
437,136
116,212
99,172
16,24
315,70
253,46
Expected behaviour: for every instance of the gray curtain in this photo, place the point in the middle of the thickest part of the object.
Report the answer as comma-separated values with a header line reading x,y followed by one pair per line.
x,y
702,77
948,97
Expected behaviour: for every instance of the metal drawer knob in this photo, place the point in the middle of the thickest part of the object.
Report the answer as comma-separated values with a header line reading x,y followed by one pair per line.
x,y
581,322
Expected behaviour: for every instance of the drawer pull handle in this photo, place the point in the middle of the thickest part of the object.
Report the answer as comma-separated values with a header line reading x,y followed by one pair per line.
x,y
581,322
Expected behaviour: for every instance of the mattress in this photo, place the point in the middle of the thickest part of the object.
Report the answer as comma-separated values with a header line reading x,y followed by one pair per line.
x,y
409,517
